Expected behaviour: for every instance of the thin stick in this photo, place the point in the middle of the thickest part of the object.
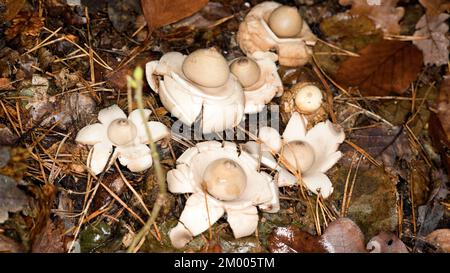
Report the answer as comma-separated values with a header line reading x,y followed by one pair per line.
x,y
137,82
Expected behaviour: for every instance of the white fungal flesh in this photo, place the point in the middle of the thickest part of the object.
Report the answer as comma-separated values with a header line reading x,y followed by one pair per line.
x,y
299,155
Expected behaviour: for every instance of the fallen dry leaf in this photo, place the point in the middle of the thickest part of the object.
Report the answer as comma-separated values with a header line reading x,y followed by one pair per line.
x,y
50,239
343,236
435,44
382,68
27,26
206,17
159,13
440,238
12,199
435,7
384,13
294,240
386,242
384,143
439,124
10,9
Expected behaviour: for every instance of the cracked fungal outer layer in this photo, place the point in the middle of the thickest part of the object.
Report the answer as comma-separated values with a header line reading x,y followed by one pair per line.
x,y
306,98
255,34
198,86
259,77
221,180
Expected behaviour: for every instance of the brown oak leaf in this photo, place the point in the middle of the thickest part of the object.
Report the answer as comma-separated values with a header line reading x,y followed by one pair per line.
x,y
384,13
382,68
435,43
159,13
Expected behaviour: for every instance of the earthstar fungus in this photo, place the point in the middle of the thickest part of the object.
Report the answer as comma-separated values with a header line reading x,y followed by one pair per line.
x,y
258,75
199,85
221,180
272,26
311,152
126,134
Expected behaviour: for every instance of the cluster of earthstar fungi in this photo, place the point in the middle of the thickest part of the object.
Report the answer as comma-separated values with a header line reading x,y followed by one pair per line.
x,y
203,85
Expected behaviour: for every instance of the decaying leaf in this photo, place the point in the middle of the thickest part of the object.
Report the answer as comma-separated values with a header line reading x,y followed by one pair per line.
x,y
12,199
384,143
28,26
294,240
382,68
206,17
435,7
159,13
50,239
7,137
343,236
123,14
384,13
434,45
386,242
8,245
347,31
10,8
440,238
439,124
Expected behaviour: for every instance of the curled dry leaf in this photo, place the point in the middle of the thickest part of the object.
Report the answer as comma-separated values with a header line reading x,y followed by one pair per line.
x,y
343,236
159,13
384,13
12,199
440,238
294,240
382,68
434,45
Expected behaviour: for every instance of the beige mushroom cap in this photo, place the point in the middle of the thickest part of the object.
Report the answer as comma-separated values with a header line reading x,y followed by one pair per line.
x,y
206,67
225,179
299,155
246,70
121,132
308,99
285,22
